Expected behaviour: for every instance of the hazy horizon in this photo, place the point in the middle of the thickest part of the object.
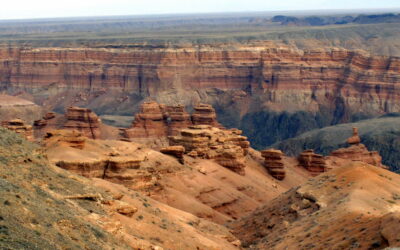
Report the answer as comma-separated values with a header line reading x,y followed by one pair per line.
x,y
22,9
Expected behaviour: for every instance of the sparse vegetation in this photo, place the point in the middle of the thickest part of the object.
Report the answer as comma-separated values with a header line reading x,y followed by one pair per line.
x,y
376,36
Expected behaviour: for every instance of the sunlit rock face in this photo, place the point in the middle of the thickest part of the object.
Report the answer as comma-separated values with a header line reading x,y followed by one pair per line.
x,y
243,82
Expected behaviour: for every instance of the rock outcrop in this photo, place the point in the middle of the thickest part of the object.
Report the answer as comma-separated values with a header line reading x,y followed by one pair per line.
x,y
114,169
204,114
355,139
313,162
225,147
359,152
274,163
73,139
149,123
19,126
176,151
156,122
84,121
177,119
40,124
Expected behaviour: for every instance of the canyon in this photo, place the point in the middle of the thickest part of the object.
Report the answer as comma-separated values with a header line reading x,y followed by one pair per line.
x,y
225,131
261,87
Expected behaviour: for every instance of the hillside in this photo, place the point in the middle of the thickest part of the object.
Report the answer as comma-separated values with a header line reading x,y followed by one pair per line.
x,y
356,206
380,134
45,207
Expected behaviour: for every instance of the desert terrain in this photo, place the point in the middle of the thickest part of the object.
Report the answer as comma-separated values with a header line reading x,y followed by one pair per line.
x,y
230,131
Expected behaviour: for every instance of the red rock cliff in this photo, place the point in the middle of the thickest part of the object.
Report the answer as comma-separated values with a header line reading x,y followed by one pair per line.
x,y
257,77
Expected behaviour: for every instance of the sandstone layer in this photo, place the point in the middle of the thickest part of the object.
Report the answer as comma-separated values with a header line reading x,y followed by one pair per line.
x,y
330,86
176,151
313,162
155,122
178,119
359,153
84,121
150,124
204,114
81,120
223,146
274,164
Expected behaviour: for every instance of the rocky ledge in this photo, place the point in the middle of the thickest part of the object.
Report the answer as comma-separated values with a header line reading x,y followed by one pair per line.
x,y
19,126
226,147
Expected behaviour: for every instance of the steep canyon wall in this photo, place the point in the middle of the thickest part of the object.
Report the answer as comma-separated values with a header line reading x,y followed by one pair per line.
x,y
272,93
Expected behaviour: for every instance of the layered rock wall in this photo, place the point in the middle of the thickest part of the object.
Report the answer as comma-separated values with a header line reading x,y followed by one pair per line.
x,y
84,121
313,162
273,161
149,123
261,88
204,114
284,78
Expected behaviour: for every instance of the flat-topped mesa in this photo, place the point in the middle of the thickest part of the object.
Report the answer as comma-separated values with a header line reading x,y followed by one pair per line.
x,y
204,114
274,163
225,147
84,121
149,123
355,139
177,119
19,127
314,163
